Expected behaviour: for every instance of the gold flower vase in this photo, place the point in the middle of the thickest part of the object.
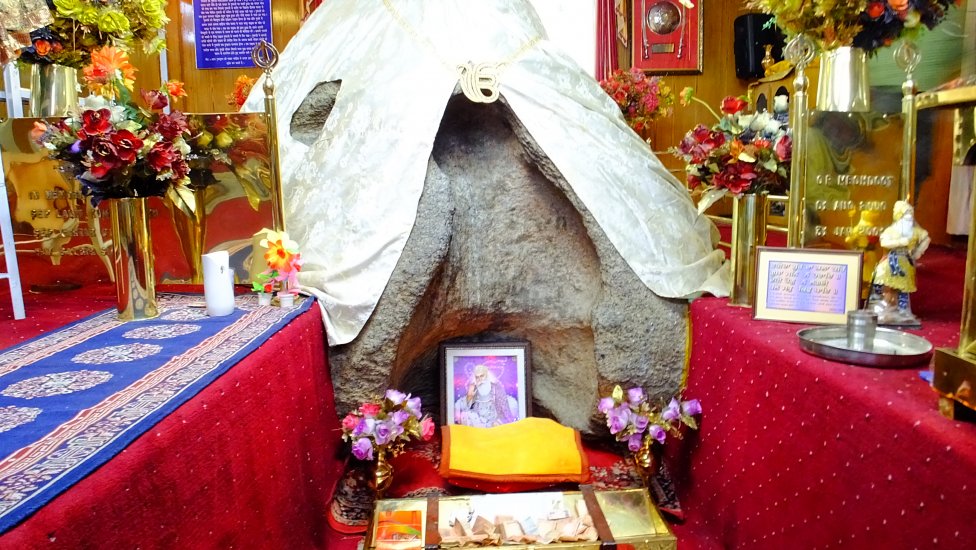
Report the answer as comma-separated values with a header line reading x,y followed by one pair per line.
x,y
645,462
843,81
383,474
54,90
191,231
749,212
135,281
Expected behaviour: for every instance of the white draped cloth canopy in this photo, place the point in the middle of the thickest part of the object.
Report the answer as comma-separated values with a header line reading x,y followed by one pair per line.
x,y
350,198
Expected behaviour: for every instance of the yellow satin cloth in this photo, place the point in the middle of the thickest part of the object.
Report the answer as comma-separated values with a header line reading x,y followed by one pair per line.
x,y
531,449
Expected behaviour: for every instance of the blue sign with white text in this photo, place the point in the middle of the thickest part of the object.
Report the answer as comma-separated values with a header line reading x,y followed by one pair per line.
x,y
227,30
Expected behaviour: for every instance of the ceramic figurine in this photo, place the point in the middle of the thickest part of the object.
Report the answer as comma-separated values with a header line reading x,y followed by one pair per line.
x,y
894,276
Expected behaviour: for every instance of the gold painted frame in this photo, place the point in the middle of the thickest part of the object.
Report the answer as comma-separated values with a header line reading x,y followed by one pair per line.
x,y
817,286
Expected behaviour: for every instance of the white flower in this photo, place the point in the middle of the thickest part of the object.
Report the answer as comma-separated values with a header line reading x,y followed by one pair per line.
x,y
781,103
760,121
772,127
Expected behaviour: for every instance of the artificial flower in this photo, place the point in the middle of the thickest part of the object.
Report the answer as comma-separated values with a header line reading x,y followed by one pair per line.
x,y
115,148
242,87
741,153
109,65
80,27
634,420
386,425
175,88
867,24
641,99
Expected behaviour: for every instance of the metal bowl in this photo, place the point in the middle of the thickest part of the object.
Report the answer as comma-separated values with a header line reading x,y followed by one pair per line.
x,y
890,347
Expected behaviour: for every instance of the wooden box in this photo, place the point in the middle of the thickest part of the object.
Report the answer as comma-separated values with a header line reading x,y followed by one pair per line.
x,y
618,517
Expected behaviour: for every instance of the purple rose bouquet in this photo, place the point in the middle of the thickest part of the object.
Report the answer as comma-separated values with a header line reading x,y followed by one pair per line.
x,y
634,420
386,425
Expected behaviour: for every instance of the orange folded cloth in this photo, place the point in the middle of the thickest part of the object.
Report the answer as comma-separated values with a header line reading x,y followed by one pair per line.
x,y
529,450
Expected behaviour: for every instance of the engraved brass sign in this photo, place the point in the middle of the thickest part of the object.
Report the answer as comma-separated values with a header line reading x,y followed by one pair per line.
x,y
853,179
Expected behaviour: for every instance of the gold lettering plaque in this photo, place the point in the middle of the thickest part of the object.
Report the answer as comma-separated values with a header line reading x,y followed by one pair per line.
x,y
853,179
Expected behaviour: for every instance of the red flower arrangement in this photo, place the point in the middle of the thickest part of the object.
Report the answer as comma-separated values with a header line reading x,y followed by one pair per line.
x,y
642,99
742,153
117,149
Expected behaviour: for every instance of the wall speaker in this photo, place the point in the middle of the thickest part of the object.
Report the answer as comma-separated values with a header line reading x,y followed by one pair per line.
x,y
751,33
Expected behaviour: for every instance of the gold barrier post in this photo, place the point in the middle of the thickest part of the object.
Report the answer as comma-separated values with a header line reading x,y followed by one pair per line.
x,y
265,56
800,52
954,370
907,58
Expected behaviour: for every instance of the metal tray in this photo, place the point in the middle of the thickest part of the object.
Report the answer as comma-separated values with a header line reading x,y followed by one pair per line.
x,y
892,348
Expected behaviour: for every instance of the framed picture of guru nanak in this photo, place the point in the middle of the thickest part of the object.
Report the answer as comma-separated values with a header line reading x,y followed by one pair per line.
x,y
485,385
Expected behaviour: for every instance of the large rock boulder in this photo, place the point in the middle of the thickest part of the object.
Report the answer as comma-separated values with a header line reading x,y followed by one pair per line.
x,y
502,249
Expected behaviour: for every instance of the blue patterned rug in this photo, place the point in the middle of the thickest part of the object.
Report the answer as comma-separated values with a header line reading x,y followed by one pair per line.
x,y
70,400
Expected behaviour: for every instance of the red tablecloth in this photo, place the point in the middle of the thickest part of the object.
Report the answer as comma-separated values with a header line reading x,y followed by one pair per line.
x,y
796,451
249,462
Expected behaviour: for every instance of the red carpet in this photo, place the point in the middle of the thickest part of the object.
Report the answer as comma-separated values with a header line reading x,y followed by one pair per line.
x,y
794,451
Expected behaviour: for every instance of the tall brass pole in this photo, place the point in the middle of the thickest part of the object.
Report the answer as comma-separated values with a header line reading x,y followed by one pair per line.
x,y
265,56
800,52
907,58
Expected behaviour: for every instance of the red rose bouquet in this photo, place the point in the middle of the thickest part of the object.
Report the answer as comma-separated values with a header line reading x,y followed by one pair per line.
x,y
742,153
117,149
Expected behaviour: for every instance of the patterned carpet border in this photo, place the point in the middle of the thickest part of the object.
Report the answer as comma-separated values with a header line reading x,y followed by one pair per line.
x,y
72,399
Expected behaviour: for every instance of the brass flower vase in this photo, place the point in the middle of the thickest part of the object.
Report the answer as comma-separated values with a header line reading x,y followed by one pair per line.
x,y
54,90
645,462
843,81
135,281
383,474
191,231
749,212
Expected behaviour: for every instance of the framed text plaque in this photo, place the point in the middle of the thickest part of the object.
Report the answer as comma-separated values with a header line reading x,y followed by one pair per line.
x,y
667,36
226,31
807,285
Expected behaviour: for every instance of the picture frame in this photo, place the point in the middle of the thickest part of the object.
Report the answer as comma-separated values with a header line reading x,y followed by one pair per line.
x,y
485,384
807,285
667,37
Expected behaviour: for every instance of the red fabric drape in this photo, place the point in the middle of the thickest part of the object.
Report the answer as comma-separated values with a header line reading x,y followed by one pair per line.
x,y
606,36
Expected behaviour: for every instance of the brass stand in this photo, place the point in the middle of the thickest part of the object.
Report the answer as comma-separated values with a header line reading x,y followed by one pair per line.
x,y
265,56
800,52
955,369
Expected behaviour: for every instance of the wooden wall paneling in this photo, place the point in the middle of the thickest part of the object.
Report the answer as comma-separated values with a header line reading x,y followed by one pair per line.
x,y
716,81
208,88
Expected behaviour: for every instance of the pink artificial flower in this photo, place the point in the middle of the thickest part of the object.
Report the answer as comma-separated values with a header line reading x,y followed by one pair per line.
x,y
350,422
370,410
427,428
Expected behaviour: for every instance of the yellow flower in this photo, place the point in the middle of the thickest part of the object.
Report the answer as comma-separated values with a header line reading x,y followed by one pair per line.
x,y
69,8
154,10
113,21
281,250
88,15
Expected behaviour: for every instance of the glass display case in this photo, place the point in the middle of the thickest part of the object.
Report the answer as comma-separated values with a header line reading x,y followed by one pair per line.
x,y
577,519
